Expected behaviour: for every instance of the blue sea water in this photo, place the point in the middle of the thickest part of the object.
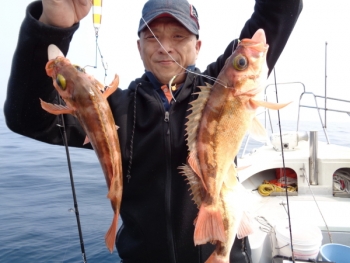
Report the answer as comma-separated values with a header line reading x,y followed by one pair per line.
x,y
35,222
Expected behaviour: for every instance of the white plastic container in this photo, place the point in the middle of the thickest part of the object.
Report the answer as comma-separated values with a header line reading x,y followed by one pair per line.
x,y
307,240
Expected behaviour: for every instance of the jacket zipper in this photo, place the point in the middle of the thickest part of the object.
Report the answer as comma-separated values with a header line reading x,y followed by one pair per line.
x,y
168,188
167,196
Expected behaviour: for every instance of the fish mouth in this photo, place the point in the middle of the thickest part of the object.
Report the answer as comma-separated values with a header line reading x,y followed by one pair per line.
x,y
53,52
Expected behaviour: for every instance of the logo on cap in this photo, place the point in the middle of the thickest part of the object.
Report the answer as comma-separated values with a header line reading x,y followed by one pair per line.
x,y
194,14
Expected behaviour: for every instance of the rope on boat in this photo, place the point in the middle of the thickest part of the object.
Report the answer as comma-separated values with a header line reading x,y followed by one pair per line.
x,y
266,188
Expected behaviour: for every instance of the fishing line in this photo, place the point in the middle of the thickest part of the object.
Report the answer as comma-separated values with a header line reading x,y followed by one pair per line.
x,y
318,207
97,18
76,210
284,170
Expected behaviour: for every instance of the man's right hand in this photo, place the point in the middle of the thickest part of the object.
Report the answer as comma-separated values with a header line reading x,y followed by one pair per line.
x,y
64,13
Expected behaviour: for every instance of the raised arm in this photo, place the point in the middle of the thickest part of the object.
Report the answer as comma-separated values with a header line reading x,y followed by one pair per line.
x,y
277,18
28,80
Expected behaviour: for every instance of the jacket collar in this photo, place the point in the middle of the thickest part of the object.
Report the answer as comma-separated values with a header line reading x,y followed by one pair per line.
x,y
157,86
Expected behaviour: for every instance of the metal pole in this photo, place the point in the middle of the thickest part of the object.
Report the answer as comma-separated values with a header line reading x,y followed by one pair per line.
x,y
325,89
313,170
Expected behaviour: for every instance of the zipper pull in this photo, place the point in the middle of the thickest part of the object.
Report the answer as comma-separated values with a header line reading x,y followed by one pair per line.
x,y
166,118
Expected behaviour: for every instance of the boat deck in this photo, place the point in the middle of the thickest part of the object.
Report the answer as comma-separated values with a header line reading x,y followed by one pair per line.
x,y
260,165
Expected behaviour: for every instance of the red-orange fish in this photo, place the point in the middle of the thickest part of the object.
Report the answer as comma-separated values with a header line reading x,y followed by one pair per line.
x,y
84,99
221,116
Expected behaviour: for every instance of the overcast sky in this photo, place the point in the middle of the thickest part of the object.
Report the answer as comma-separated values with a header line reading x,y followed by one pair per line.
x,y
303,59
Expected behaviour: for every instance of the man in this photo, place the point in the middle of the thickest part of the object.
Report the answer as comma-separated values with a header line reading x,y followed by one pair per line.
x,y
157,210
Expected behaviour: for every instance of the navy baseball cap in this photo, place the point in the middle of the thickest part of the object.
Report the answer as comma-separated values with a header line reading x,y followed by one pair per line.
x,y
181,10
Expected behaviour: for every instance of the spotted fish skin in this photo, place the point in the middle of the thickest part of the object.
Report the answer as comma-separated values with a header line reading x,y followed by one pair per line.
x,y
85,100
221,116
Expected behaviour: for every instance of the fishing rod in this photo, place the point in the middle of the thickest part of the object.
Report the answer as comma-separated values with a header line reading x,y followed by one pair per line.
x,y
284,171
97,15
76,210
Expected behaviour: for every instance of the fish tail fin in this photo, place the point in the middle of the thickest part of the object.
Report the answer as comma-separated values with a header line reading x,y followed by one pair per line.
x,y
209,225
215,258
111,234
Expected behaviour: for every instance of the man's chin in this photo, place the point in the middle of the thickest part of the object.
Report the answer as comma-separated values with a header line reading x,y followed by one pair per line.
x,y
164,78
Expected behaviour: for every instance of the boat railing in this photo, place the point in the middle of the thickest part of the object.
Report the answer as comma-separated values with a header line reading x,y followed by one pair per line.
x,y
267,116
318,108
267,111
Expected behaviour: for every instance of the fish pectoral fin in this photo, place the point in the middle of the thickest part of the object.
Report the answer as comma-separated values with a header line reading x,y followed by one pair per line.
x,y
269,105
258,131
245,227
112,87
240,168
56,109
193,163
209,225
87,140
116,127
111,234
231,178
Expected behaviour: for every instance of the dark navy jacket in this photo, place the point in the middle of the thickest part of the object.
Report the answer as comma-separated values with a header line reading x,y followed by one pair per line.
x,y
157,210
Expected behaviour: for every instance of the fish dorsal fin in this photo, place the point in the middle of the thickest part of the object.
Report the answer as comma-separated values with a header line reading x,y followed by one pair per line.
x,y
195,183
192,127
195,116
258,131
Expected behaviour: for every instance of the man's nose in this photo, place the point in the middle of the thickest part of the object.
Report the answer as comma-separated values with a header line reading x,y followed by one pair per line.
x,y
166,46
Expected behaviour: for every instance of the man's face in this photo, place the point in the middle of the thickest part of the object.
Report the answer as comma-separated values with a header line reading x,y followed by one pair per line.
x,y
180,43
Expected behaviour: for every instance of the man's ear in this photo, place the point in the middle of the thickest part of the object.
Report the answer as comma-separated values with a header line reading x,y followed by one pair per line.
x,y
198,46
139,47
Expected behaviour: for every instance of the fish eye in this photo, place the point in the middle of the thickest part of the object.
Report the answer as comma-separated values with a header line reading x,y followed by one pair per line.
x,y
61,81
79,68
240,62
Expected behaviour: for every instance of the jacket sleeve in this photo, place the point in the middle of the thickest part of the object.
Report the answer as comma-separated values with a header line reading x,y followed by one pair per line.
x,y
277,18
28,82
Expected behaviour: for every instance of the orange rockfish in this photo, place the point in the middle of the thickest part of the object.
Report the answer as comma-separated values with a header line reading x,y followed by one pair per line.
x,y
221,116
84,99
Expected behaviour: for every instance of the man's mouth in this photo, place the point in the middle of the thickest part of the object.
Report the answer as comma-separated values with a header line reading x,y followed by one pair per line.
x,y
166,61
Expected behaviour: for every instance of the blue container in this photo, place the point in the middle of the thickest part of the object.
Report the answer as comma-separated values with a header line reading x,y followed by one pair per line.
x,y
335,253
